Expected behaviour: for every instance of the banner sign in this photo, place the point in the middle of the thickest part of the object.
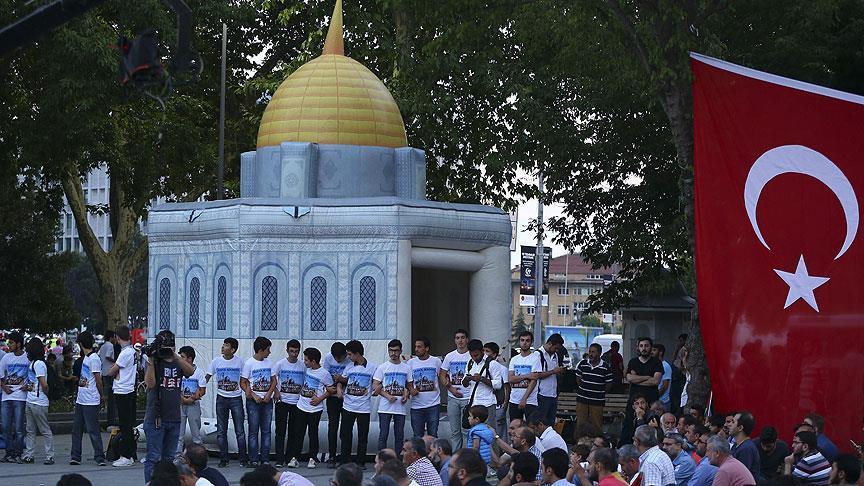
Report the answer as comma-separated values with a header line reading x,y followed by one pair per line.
x,y
779,174
526,276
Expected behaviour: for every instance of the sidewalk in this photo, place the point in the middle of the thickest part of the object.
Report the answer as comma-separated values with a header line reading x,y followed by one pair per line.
x,y
38,474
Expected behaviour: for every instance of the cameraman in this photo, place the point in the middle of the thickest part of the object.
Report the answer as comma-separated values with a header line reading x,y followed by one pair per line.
x,y
164,376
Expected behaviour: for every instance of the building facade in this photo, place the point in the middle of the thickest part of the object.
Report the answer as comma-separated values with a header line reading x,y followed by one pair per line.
x,y
96,186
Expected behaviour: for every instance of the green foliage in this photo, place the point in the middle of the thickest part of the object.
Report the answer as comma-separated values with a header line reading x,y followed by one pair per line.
x,y
590,320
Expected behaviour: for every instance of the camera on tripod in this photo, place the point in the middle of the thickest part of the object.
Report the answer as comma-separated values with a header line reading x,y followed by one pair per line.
x,y
162,345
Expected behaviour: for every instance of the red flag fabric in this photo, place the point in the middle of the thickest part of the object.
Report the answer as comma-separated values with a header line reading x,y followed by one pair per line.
x,y
779,180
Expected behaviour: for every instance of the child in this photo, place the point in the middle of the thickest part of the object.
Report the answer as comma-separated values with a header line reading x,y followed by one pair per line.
x,y
480,436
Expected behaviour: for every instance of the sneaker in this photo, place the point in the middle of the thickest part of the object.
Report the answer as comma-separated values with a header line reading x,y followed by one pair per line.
x,y
123,462
48,462
100,462
27,460
279,465
251,464
223,463
265,463
244,463
293,463
73,462
312,464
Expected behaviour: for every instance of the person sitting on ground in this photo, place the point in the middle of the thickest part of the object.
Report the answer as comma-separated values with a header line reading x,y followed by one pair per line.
x,y
772,451
555,463
286,478
715,424
549,438
74,479
730,471
196,458
396,470
628,459
381,457
602,469
829,450
654,464
523,470
669,423
524,440
417,465
845,471
257,477
348,474
443,452
744,449
467,469
806,462
685,466
189,478
164,473
705,471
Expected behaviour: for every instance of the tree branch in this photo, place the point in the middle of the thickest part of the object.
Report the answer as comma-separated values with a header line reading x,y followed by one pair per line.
x,y
71,182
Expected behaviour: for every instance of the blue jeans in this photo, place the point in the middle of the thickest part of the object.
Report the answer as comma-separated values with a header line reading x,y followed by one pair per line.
x,y
260,415
161,444
87,418
235,406
13,422
398,431
425,420
548,407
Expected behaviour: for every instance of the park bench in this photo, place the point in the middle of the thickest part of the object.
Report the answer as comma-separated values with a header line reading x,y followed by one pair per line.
x,y
613,412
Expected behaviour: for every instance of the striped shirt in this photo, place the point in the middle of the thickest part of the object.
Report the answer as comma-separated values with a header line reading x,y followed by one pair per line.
x,y
813,470
592,382
424,473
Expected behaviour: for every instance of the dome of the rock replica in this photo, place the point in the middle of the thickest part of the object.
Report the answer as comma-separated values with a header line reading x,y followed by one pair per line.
x,y
333,99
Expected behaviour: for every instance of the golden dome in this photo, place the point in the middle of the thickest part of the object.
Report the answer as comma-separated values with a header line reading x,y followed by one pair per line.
x,y
333,99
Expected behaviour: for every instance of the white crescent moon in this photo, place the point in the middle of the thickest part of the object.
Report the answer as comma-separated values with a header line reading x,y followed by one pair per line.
x,y
797,159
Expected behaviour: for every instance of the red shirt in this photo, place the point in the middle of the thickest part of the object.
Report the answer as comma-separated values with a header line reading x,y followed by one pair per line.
x,y
614,479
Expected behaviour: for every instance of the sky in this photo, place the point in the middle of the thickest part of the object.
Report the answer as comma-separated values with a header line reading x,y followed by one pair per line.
x,y
528,213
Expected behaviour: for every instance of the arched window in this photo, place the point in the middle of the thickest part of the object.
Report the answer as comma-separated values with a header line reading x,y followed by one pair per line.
x,y
269,303
367,303
165,304
221,304
318,304
194,301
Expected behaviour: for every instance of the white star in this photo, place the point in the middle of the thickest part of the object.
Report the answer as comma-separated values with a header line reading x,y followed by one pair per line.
x,y
801,285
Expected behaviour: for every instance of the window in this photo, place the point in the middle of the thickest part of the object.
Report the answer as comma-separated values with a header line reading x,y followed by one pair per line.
x,y
165,304
194,300
530,311
579,306
269,303
221,304
367,304
563,291
318,304
563,310
594,277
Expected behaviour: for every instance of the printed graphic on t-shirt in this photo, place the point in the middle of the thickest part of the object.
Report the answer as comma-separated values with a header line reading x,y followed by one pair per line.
x,y
189,387
16,374
311,384
171,378
424,379
519,370
336,369
394,382
457,371
30,384
260,379
228,379
291,381
358,384
86,375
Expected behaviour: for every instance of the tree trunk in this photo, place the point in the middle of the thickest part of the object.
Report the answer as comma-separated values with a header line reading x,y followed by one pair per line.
x,y
115,268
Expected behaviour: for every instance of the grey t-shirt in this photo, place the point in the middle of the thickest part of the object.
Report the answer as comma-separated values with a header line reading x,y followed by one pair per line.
x,y
106,351
171,378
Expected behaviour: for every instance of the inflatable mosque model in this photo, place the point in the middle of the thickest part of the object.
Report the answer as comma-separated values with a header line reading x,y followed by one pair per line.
x,y
332,238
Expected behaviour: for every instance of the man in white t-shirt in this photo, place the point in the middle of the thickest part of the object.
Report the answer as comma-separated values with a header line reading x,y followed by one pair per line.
x,y
317,383
335,362
451,374
13,376
502,394
124,373
258,381
229,398
547,388
480,374
90,394
357,402
37,403
290,375
425,394
192,388
392,380
522,376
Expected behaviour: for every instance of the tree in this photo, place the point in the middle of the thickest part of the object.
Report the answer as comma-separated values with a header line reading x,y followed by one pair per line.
x,y
68,80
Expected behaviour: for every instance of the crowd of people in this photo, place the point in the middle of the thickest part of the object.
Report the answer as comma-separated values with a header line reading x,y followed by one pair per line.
x,y
506,416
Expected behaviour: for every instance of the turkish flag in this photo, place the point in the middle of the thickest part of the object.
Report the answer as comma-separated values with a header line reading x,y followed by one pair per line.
x,y
779,177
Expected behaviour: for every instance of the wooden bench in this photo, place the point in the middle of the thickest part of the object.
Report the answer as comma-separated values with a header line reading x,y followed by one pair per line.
x,y
613,411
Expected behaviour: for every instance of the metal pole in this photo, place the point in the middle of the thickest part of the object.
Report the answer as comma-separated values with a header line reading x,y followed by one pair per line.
x,y
566,288
220,191
538,263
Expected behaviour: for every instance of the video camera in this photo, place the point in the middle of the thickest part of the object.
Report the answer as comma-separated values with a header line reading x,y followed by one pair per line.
x,y
161,346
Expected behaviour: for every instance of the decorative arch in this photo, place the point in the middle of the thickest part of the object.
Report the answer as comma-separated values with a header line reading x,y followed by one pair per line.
x,y
223,302
165,296
368,302
319,302
193,302
270,310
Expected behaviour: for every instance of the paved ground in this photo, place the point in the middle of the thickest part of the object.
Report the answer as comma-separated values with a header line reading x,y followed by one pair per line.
x,y
40,475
